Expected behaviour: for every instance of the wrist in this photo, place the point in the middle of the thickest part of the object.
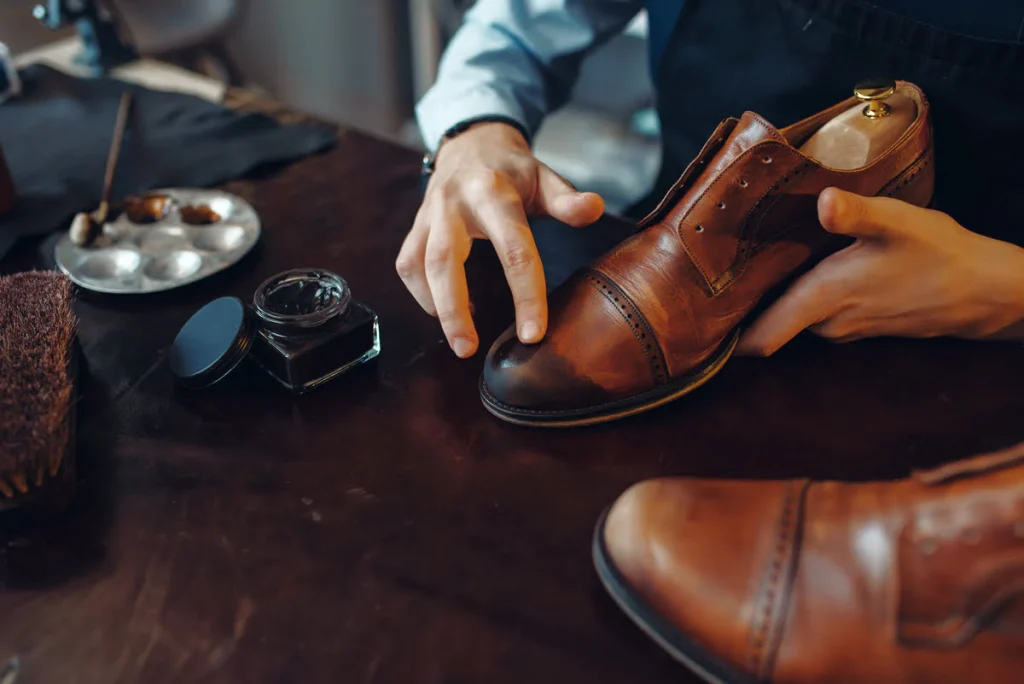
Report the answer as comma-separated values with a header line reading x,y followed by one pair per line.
x,y
498,129
1003,266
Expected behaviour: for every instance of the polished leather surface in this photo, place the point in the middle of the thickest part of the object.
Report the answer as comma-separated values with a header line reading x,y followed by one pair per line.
x,y
737,224
791,581
385,528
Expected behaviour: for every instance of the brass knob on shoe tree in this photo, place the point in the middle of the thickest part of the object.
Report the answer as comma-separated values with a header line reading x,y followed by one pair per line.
x,y
874,91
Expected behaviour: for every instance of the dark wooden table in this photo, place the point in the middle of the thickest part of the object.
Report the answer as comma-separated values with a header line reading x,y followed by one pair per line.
x,y
385,528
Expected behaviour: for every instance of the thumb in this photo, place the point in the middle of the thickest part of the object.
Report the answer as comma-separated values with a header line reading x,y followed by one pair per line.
x,y
878,218
558,199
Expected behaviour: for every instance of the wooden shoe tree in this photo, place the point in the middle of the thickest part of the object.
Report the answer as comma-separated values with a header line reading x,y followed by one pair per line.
x,y
860,134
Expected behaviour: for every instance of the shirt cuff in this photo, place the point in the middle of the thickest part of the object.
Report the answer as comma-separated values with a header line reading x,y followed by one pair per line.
x,y
439,111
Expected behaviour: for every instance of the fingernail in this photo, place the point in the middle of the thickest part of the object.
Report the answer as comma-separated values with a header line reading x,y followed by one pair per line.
x,y
462,347
529,331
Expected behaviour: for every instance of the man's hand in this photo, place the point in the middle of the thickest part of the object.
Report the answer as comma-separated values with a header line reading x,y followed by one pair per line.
x,y
912,272
485,184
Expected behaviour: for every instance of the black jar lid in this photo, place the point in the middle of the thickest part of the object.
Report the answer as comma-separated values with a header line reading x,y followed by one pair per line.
x,y
211,343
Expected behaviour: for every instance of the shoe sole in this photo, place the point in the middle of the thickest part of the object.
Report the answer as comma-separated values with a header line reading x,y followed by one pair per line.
x,y
677,644
615,410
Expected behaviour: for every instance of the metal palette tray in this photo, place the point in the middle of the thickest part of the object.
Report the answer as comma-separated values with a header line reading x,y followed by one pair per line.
x,y
162,240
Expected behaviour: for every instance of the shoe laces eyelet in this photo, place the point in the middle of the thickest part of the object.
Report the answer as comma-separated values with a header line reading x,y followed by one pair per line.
x,y
766,159
743,183
699,229
721,205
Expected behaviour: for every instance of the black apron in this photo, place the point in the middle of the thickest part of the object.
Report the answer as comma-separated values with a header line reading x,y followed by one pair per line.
x,y
787,59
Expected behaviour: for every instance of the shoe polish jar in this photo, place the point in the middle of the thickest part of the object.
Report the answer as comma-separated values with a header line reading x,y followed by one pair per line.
x,y
303,328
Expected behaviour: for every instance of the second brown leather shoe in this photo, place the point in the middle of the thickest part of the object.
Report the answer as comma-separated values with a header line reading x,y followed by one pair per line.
x,y
919,580
661,313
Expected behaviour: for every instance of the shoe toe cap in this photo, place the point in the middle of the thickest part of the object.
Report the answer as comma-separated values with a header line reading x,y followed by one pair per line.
x,y
695,552
588,358
534,377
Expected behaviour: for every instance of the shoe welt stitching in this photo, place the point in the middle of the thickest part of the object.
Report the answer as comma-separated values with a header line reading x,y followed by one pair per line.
x,y
629,311
769,612
907,175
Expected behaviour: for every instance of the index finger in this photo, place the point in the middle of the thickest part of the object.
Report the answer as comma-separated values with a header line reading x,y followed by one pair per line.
x,y
503,220
811,299
447,249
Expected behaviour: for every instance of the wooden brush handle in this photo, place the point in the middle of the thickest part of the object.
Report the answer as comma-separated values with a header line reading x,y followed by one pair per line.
x,y
115,150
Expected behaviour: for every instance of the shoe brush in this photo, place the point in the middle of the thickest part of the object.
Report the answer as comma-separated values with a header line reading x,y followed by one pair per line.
x,y
37,382
86,227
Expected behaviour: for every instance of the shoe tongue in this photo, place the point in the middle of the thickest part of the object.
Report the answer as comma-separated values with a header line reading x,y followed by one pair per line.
x,y
750,130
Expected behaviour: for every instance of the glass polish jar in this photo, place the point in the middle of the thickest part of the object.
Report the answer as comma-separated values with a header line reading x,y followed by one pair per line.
x,y
309,329
303,328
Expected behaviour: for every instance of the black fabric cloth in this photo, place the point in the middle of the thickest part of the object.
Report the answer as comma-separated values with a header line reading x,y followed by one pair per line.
x,y
56,135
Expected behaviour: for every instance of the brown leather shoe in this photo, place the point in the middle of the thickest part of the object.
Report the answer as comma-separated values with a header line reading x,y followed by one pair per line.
x,y
916,580
661,313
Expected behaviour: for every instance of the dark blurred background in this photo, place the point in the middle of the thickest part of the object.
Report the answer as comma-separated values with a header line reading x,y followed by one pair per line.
x,y
365,63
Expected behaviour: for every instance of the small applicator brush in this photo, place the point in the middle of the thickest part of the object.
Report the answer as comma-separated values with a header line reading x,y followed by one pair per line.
x,y
87,227
37,374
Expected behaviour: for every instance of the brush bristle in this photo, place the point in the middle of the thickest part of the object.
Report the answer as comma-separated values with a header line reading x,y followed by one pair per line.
x,y
37,328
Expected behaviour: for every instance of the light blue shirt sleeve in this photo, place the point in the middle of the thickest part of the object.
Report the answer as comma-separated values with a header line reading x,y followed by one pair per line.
x,y
518,59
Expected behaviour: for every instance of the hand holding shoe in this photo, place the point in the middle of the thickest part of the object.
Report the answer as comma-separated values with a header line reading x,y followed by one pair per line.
x,y
912,272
